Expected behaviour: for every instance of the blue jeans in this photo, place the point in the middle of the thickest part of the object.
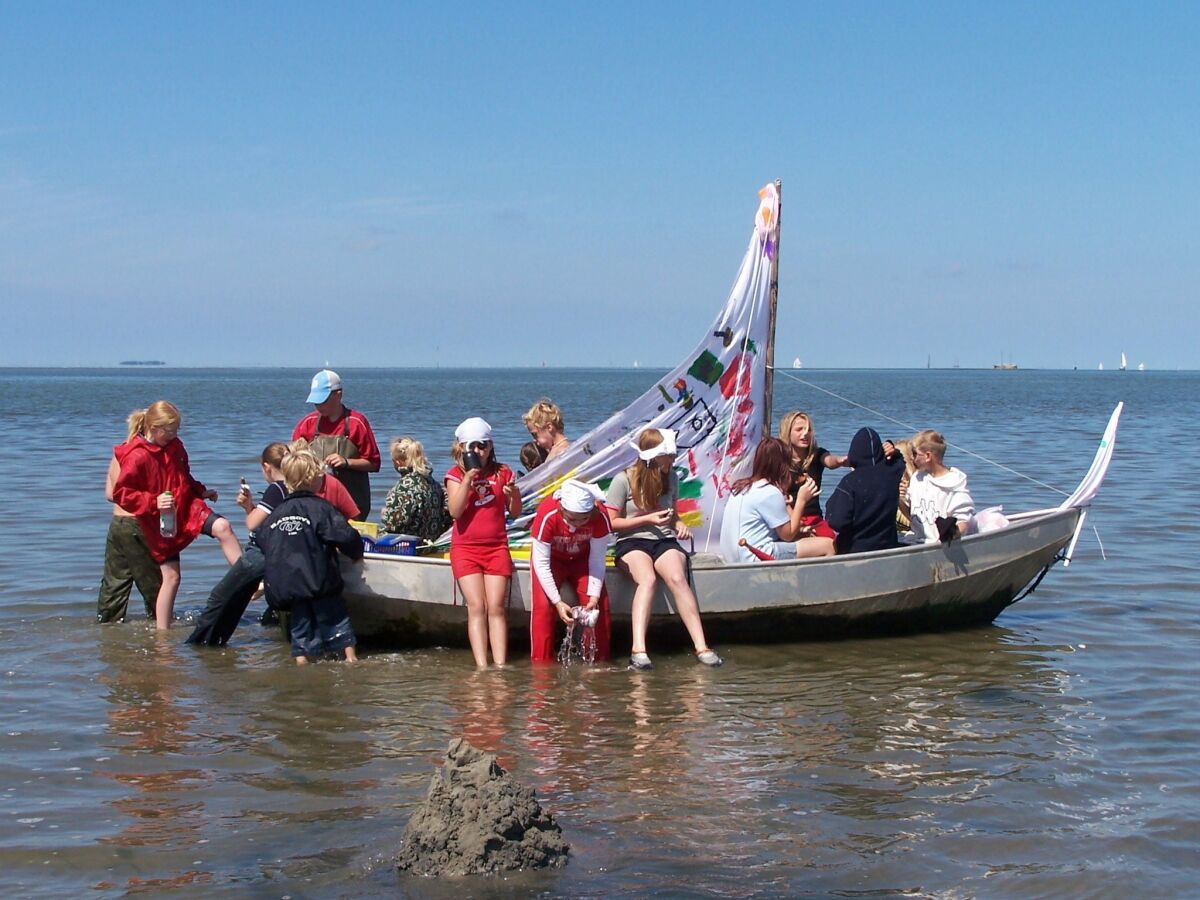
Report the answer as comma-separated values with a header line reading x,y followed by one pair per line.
x,y
320,625
229,599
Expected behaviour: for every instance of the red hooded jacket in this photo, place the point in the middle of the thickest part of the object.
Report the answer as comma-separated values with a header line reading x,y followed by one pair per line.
x,y
146,471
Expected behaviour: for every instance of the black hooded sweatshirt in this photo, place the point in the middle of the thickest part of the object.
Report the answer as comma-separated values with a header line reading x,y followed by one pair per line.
x,y
299,541
862,509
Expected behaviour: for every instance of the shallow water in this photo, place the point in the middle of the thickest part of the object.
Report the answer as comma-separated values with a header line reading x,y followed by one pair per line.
x,y
1053,753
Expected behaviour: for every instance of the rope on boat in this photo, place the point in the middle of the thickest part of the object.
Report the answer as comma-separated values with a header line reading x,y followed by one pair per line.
x,y
915,429
1033,586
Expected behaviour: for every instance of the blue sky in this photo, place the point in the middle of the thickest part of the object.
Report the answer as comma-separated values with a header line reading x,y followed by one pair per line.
x,y
399,184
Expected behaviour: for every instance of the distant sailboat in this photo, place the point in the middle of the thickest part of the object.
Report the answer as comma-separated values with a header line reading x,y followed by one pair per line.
x,y
1101,367
635,364
1124,362
1141,367
796,364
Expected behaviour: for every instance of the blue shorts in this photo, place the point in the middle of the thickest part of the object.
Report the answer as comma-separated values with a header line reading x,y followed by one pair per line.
x,y
320,625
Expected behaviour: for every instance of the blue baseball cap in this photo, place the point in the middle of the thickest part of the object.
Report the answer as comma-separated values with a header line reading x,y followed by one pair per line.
x,y
323,384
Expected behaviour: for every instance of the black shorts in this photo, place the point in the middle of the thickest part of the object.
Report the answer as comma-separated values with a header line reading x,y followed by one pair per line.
x,y
652,547
206,528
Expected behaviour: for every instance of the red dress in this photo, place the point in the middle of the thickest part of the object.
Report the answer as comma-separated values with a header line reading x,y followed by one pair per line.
x,y
148,470
576,557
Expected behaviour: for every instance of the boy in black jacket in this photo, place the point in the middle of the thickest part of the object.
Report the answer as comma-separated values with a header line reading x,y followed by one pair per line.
x,y
862,509
299,542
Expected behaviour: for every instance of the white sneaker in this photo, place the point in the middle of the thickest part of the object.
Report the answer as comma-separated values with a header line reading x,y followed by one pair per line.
x,y
709,658
640,662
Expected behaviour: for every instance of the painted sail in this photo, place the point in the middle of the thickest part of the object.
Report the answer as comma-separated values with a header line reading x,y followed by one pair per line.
x,y
713,400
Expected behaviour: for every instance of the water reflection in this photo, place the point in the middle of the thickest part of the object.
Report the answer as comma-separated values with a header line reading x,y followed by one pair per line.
x,y
150,731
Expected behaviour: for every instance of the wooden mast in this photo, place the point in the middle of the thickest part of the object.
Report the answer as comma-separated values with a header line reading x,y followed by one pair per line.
x,y
769,383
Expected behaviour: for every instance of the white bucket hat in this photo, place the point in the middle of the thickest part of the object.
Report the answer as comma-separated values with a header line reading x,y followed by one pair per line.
x,y
666,448
578,496
473,431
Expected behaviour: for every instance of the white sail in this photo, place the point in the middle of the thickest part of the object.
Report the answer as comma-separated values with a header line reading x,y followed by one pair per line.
x,y
796,364
1124,364
713,400
1090,486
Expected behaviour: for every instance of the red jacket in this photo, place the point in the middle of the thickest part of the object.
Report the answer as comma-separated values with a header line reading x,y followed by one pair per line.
x,y
146,471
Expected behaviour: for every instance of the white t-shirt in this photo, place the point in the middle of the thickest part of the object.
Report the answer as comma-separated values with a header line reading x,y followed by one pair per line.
x,y
753,515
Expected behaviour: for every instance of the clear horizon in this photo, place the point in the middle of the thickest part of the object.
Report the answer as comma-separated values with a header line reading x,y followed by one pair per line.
x,y
381,186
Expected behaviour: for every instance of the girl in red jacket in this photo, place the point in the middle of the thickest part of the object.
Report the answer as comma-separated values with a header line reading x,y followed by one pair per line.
x,y
155,478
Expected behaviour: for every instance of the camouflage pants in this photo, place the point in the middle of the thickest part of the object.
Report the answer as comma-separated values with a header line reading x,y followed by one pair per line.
x,y
127,561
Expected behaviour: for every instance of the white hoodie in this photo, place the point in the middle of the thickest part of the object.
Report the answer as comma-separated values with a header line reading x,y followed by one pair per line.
x,y
932,498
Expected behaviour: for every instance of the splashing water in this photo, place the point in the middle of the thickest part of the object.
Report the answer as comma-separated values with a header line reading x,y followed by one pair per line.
x,y
583,623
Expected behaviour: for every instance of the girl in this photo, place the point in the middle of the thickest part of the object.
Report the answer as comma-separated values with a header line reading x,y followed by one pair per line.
x,y
416,504
570,540
155,478
641,501
757,509
544,422
808,462
479,491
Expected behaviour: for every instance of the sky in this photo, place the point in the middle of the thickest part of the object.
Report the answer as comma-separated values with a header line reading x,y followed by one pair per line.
x,y
403,184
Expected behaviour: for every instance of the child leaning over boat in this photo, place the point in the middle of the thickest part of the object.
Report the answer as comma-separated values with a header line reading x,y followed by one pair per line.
x,y
479,491
300,541
941,505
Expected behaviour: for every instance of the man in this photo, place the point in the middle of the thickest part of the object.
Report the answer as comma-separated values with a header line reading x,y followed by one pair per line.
x,y
341,437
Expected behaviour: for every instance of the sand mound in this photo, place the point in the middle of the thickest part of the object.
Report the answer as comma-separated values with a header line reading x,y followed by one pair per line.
x,y
478,820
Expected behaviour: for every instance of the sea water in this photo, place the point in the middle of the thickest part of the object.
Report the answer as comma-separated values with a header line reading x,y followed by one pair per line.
x,y
1050,754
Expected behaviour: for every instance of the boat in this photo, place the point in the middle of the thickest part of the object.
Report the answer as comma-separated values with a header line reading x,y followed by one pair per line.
x,y
1124,362
797,364
719,402
1141,367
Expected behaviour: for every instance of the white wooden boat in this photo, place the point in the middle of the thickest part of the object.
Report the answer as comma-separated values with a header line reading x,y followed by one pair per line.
x,y
412,600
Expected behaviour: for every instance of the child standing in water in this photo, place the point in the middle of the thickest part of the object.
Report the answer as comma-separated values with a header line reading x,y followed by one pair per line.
x,y
154,483
300,541
479,491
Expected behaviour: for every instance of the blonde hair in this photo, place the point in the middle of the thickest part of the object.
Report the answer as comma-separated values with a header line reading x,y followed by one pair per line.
x,y
785,434
930,441
159,414
300,468
541,414
646,480
407,452
905,446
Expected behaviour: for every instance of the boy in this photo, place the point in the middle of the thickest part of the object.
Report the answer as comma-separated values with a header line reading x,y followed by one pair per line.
x,y
941,505
299,542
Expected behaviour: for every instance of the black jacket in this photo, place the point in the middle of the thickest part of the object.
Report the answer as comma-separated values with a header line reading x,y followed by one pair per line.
x,y
862,509
299,541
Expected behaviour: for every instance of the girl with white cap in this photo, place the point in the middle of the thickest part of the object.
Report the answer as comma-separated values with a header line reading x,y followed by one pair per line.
x,y
479,491
642,503
570,539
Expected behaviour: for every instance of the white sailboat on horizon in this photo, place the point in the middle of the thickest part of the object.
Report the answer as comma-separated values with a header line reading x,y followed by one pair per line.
x,y
796,364
1124,362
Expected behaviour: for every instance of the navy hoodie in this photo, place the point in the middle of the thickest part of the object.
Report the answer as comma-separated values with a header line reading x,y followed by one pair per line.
x,y
299,541
862,509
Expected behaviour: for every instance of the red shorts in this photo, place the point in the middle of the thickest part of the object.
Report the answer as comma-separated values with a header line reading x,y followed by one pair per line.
x,y
820,528
480,559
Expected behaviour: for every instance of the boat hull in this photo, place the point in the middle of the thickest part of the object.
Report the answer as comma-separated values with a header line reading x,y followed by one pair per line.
x,y
412,601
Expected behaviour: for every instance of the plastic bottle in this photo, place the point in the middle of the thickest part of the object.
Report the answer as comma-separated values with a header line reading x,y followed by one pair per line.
x,y
166,521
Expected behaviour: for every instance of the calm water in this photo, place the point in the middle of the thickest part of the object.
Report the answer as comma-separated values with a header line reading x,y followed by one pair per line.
x,y
1054,753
